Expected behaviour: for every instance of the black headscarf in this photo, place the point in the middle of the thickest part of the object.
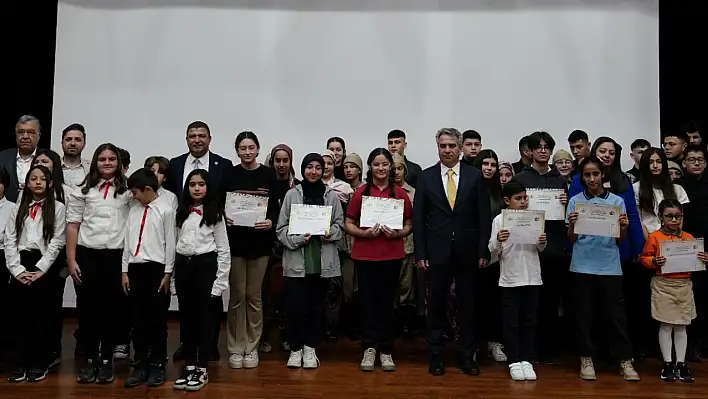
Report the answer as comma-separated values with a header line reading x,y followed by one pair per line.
x,y
313,193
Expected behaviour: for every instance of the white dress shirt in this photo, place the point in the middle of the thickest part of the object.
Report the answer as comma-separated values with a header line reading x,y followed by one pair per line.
x,y
169,196
31,238
195,163
519,264
150,234
194,239
5,210
23,166
455,176
74,175
100,215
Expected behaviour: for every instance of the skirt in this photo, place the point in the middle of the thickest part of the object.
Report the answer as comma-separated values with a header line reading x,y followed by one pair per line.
x,y
672,300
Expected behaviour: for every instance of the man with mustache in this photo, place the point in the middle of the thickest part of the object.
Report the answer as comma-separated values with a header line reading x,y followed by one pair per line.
x,y
73,142
17,161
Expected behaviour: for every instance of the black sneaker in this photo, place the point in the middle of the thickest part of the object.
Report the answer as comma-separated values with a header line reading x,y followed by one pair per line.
x,y
137,377
199,379
17,375
105,372
178,356
156,376
88,373
181,382
668,373
37,375
683,372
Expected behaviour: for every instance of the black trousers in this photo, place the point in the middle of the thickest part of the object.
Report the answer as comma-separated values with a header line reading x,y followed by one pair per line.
x,y
100,298
216,306
519,311
551,329
636,280
34,315
595,296
378,286
489,311
194,279
58,284
440,278
305,299
698,330
149,308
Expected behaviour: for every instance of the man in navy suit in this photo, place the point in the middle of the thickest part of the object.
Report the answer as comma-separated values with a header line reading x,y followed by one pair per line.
x,y
199,157
451,227
17,161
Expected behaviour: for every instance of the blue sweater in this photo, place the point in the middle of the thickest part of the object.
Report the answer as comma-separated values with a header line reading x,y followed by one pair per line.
x,y
634,244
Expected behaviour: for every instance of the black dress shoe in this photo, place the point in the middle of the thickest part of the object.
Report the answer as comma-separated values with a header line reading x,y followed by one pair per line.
x,y
436,366
178,356
469,366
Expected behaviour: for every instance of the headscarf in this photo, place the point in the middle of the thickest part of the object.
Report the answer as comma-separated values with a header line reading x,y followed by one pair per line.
x,y
562,154
270,161
507,165
312,193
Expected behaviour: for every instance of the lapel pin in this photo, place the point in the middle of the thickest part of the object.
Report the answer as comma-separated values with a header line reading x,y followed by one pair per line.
x,y
216,162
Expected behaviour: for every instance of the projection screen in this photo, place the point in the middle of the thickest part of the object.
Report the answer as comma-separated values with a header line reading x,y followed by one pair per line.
x,y
136,73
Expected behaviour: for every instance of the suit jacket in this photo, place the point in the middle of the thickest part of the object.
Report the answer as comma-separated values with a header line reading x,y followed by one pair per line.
x,y
8,161
219,168
442,234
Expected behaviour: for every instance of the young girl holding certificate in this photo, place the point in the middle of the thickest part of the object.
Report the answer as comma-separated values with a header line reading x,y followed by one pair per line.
x,y
520,279
597,274
309,261
671,293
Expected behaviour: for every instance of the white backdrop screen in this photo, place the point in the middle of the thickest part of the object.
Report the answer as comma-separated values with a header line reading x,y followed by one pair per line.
x,y
136,73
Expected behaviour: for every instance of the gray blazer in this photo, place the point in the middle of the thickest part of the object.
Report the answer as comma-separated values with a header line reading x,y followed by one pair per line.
x,y
294,254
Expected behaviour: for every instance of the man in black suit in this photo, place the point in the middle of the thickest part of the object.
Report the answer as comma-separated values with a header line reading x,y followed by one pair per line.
x,y
17,161
199,157
451,223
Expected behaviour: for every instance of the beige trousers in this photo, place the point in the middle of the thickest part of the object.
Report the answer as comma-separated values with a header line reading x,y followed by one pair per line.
x,y
244,322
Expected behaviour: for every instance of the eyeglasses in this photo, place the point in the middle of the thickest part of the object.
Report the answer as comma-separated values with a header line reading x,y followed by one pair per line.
x,y
673,217
695,160
543,148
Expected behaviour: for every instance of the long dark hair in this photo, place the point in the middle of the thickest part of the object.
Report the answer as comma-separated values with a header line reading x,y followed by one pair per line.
x,y
493,183
57,172
647,182
94,176
613,173
211,213
47,207
370,175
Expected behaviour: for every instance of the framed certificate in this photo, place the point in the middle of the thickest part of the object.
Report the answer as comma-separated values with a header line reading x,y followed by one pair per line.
x,y
598,220
682,255
524,226
310,219
548,201
246,209
384,211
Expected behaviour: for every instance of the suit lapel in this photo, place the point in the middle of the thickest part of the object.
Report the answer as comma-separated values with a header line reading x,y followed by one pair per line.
x,y
13,170
462,186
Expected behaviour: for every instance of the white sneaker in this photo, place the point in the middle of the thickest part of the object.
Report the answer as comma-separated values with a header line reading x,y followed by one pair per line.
x,y
367,361
264,347
295,359
309,358
387,363
587,369
516,370
250,361
529,374
495,350
236,361
121,352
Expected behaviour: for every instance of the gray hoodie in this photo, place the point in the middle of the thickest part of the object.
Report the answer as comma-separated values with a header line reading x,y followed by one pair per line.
x,y
293,255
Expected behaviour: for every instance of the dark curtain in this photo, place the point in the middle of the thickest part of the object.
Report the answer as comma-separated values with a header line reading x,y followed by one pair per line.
x,y
31,43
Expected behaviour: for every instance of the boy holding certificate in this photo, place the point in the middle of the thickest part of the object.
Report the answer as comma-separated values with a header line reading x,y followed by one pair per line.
x,y
520,279
672,301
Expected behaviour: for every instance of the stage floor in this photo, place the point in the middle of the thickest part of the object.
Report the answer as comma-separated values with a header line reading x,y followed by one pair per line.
x,y
339,377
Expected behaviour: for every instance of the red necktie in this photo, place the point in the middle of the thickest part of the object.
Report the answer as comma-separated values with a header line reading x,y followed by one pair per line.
x,y
34,209
142,226
195,210
105,185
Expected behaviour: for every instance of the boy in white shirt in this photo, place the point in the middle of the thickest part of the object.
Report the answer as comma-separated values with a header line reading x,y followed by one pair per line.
x,y
148,261
520,279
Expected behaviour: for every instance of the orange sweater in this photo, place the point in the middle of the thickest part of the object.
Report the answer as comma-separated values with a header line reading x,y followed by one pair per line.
x,y
651,249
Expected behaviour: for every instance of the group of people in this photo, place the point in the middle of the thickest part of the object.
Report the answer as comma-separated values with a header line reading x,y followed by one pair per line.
x,y
129,243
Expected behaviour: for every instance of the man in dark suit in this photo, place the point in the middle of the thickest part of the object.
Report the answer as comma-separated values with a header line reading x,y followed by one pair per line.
x,y
17,161
199,157
451,223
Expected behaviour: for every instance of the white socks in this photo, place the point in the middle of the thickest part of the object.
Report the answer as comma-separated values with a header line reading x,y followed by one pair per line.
x,y
680,340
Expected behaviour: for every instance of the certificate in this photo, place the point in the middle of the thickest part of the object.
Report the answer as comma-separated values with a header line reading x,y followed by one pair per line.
x,y
547,200
524,227
246,209
384,211
598,220
682,256
310,219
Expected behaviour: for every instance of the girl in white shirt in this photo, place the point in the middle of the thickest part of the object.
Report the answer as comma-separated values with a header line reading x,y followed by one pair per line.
x,y
201,274
34,236
96,223
520,279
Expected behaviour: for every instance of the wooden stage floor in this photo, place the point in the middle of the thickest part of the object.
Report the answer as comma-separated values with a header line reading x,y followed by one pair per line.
x,y
339,377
